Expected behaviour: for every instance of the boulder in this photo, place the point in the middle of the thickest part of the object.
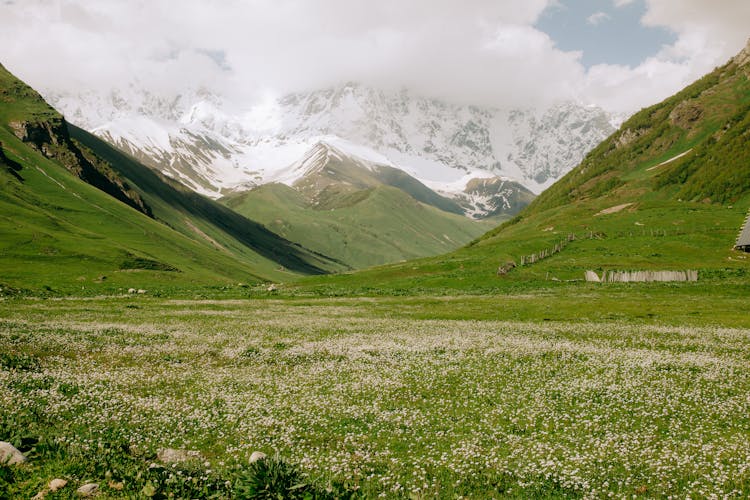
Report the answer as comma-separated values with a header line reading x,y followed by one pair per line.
x,y
57,484
506,268
88,490
257,455
9,455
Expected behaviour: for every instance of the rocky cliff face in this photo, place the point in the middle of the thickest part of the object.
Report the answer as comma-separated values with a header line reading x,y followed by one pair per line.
x,y
743,57
50,137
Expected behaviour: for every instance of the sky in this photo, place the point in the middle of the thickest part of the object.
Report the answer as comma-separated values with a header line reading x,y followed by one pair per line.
x,y
619,54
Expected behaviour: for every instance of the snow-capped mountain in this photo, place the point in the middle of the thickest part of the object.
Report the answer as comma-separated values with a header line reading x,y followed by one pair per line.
x,y
200,140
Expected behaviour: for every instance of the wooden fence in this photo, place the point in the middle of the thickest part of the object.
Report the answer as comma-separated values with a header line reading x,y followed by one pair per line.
x,y
547,252
641,276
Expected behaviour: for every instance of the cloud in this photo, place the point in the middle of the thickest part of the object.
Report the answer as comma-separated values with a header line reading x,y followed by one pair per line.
x,y
477,51
707,37
597,18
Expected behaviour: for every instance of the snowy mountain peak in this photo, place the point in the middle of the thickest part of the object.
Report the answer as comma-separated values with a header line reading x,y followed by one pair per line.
x,y
197,138
317,158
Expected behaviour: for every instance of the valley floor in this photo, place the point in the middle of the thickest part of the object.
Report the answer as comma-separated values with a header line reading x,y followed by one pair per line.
x,y
416,397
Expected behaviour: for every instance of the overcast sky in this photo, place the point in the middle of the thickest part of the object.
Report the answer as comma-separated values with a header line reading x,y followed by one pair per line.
x,y
620,54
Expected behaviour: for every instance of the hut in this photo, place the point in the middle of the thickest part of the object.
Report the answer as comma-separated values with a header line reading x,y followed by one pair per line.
x,y
743,240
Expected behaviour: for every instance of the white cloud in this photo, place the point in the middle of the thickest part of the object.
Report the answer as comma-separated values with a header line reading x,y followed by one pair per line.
x,y
597,18
708,35
479,51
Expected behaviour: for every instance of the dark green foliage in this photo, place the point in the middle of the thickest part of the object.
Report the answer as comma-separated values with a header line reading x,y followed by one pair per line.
x,y
6,480
718,169
272,478
135,262
20,362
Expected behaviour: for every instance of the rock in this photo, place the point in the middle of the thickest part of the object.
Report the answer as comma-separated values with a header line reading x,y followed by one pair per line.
x,y
744,56
88,490
39,495
57,484
257,455
172,455
271,288
141,291
506,268
132,290
9,455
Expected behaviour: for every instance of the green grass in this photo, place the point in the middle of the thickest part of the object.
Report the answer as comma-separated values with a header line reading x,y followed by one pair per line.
x,y
377,226
198,217
60,235
684,215
560,393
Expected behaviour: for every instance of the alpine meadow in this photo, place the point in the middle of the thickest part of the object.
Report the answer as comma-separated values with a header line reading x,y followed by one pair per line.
x,y
390,280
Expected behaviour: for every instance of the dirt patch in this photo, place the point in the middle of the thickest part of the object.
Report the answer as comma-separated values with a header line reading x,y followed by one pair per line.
x,y
205,236
613,210
670,160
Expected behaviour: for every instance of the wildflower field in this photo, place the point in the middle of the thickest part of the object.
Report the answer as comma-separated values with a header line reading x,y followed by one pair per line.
x,y
367,400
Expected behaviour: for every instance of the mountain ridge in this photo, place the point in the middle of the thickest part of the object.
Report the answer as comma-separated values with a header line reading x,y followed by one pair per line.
x,y
215,152
358,211
668,191
59,225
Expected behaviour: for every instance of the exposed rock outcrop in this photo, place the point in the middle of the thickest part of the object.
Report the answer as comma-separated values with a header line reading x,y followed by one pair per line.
x,y
50,136
743,57
9,455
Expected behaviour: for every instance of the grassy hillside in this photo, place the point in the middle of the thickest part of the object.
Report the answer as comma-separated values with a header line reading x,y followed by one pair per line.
x,y
362,227
72,222
193,214
668,191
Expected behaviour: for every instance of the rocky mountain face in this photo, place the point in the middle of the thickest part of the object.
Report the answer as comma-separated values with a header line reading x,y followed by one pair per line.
x,y
200,140
49,135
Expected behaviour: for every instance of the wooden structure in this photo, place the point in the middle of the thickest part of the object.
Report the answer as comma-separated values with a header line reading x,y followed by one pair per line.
x,y
641,276
743,240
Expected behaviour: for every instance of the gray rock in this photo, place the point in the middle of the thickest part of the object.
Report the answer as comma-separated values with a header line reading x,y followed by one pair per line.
x,y
88,490
171,455
257,455
9,455
57,484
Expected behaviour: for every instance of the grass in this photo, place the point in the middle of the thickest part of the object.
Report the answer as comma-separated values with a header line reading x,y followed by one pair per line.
x,y
382,225
574,392
60,235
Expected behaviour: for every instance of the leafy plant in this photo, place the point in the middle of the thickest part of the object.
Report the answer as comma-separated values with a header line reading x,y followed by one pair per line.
x,y
272,478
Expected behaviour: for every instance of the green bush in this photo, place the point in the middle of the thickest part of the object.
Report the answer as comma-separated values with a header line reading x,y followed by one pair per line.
x,y
272,478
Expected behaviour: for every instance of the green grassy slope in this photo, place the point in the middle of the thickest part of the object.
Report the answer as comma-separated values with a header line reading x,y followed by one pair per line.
x,y
632,204
191,213
59,232
364,227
